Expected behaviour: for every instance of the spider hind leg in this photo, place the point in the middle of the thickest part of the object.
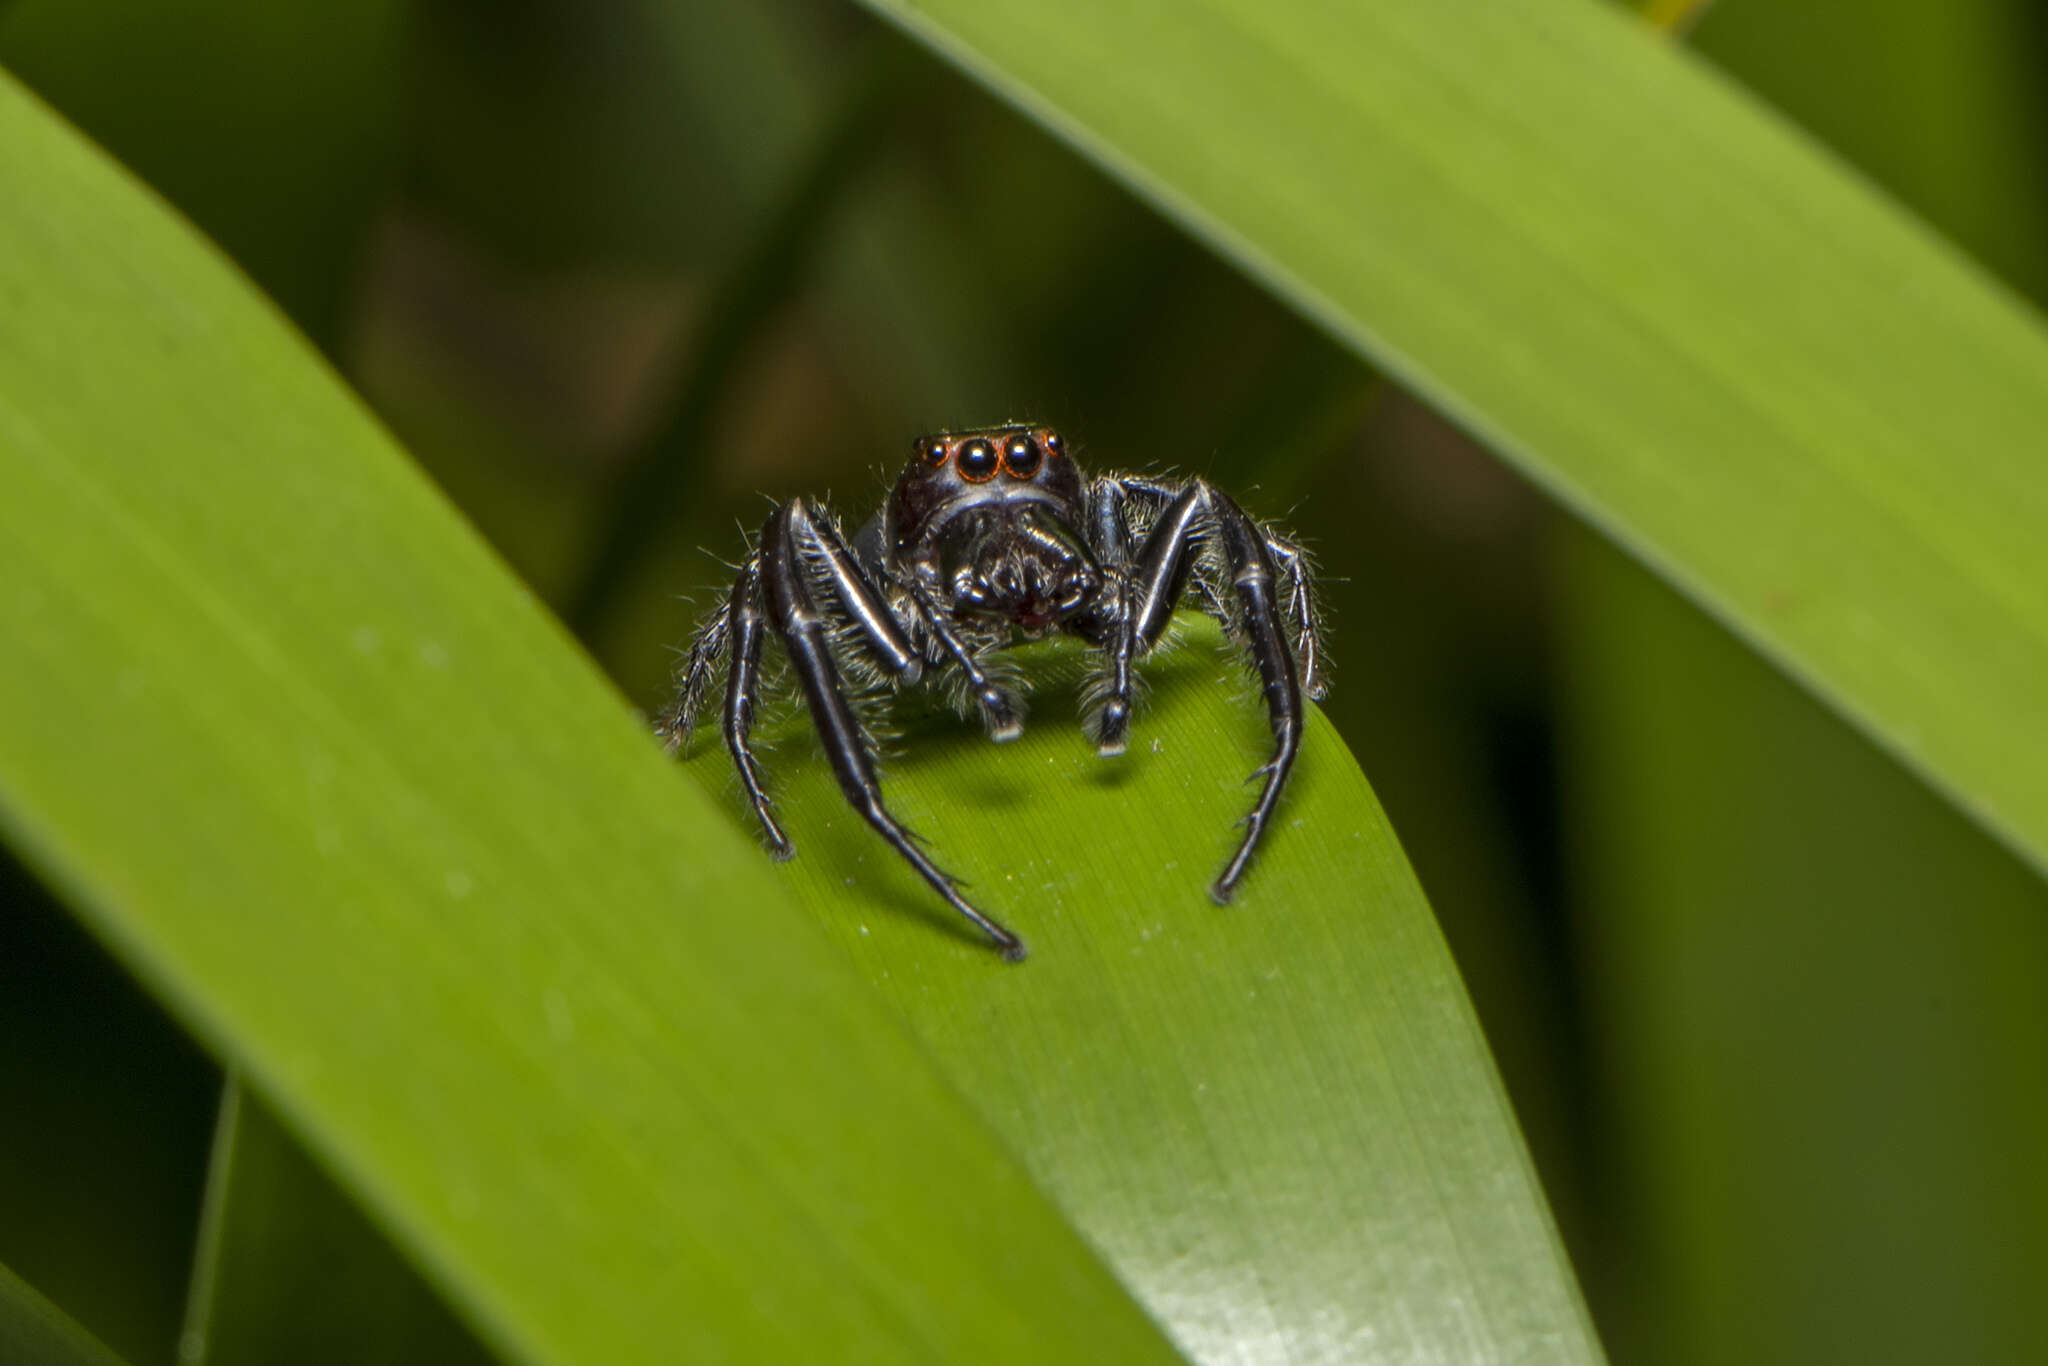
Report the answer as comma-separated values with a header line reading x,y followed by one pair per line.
x,y
678,722
743,616
1202,519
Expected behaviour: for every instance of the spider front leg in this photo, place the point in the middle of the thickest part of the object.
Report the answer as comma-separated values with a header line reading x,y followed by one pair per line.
x,y
1198,516
1304,618
1002,710
1109,626
806,636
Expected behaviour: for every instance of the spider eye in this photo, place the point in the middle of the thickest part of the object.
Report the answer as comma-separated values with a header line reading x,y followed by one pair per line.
x,y
1020,456
932,451
1053,445
977,461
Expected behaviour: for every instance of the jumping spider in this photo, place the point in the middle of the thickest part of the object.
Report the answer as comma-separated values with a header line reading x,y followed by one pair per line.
x,y
989,534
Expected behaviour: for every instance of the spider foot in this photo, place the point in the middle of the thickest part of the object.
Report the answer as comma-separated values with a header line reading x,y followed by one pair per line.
x,y
1112,728
1009,945
1225,885
672,728
1002,711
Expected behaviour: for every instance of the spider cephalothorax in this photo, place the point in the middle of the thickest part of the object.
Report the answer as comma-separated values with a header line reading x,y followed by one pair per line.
x,y
986,535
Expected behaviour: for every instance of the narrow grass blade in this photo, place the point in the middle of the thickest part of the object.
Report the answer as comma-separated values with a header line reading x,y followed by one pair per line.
x,y
105,1109
34,1332
288,1269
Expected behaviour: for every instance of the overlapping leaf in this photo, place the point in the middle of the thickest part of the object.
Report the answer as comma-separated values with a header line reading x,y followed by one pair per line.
x,y
1667,307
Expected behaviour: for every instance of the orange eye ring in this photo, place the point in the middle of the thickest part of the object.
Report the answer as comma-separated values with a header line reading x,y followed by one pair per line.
x,y
1022,458
977,460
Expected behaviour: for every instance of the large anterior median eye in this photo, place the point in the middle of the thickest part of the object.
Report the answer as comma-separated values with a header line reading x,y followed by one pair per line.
x,y
1020,456
977,461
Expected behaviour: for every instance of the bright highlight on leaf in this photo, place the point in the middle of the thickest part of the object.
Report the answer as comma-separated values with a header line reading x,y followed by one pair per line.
x,y
1277,1118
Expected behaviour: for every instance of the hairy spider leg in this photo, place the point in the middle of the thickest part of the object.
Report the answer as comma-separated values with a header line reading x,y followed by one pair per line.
x,y
742,687
804,635
1304,617
1301,609
679,722
1111,627
857,594
1164,564
1002,711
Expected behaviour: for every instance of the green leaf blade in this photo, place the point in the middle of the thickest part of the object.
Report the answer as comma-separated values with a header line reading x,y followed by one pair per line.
x,y
1821,991
341,794
287,1268
34,1332
1813,417
1277,1118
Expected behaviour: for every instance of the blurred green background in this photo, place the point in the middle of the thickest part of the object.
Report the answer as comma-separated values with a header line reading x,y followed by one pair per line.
x,y
1773,1016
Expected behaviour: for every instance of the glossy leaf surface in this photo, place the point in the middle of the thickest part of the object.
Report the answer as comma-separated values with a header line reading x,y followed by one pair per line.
x,y
1276,1118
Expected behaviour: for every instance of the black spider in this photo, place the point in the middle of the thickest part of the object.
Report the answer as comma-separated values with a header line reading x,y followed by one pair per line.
x,y
988,534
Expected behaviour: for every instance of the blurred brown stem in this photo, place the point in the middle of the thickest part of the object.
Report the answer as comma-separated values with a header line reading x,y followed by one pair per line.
x,y
648,493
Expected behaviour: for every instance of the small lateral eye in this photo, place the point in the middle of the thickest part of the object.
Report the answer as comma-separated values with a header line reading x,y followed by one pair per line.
x,y
1053,445
1020,456
932,451
977,461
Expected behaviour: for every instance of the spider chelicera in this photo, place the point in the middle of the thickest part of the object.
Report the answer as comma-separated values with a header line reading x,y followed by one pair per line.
x,y
988,535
